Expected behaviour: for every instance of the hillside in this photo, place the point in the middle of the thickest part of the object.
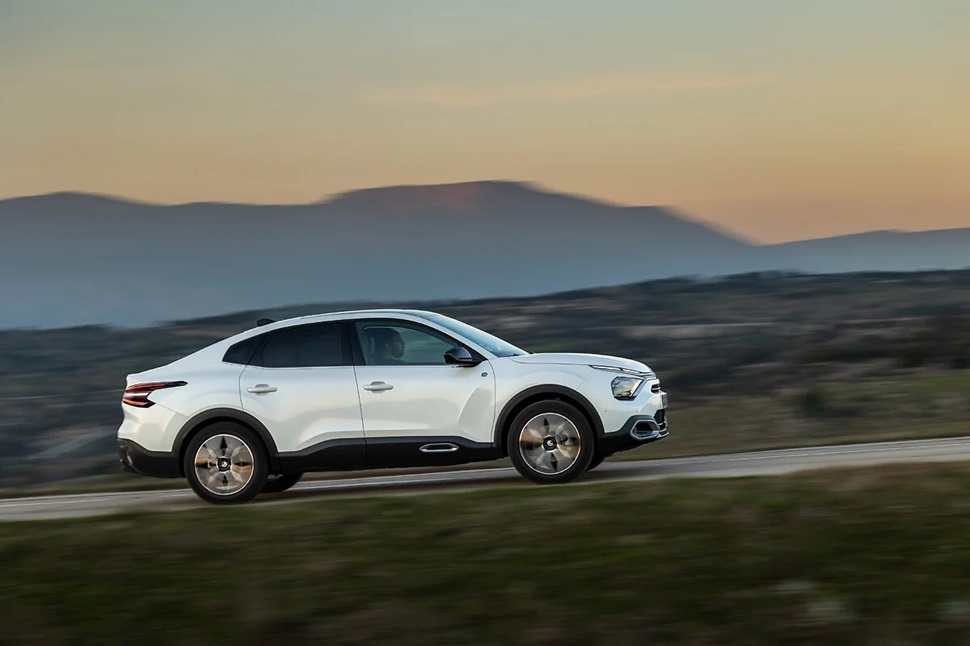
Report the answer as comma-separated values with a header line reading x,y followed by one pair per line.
x,y
758,361
73,259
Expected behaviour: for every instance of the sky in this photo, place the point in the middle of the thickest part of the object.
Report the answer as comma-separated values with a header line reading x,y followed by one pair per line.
x,y
776,120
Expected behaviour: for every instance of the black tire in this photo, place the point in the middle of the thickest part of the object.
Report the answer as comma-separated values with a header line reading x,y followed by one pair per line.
x,y
583,437
209,475
596,461
281,482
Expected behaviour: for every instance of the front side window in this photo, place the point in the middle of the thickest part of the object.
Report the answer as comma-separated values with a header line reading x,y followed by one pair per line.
x,y
305,346
392,343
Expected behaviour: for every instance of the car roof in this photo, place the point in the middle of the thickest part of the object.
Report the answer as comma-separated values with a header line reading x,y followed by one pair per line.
x,y
351,314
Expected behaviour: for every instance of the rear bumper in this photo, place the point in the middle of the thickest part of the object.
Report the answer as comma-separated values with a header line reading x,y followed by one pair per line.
x,y
156,464
637,431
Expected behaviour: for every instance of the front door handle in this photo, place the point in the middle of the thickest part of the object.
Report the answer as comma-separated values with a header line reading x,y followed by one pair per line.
x,y
377,386
260,389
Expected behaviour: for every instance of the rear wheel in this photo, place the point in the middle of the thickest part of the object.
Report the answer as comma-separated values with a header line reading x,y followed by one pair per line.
x,y
551,442
281,482
226,463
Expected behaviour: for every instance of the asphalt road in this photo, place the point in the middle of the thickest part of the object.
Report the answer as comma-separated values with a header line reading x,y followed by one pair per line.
x,y
734,465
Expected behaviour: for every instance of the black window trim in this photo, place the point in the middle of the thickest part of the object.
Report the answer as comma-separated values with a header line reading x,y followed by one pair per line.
x,y
358,352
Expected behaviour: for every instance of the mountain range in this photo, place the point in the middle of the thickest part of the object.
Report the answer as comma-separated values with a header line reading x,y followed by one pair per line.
x,y
75,258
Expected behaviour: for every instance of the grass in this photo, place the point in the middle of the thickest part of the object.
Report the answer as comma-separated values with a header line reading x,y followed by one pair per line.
x,y
845,412
819,414
852,556
924,386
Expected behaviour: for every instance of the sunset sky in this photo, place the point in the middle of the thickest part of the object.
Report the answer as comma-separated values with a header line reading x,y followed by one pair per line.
x,y
778,120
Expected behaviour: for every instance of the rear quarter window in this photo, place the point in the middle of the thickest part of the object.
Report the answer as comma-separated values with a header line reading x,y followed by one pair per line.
x,y
242,352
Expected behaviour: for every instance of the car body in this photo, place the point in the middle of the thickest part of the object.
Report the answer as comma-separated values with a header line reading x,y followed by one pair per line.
x,y
379,388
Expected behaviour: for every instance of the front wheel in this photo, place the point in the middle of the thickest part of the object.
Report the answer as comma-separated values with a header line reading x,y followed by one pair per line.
x,y
281,482
226,463
551,442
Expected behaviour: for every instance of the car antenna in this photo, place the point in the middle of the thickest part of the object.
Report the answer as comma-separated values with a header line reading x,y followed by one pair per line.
x,y
262,322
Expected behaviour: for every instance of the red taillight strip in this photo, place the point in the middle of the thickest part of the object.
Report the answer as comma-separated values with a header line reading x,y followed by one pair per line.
x,y
137,395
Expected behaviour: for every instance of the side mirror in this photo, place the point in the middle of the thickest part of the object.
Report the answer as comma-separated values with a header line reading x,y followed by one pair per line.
x,y
460,356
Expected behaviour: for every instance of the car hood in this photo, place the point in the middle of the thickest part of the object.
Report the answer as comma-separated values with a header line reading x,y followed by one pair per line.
x,y
577,359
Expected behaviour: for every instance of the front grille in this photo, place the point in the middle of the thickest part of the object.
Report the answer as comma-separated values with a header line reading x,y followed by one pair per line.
x,y
655,388
660,417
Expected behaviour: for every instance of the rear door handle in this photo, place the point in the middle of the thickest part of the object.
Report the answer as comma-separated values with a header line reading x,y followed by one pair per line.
x,y
377,386
260,389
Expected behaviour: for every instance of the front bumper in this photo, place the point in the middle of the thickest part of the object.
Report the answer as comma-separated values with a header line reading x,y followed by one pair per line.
x,y
637,431
156,464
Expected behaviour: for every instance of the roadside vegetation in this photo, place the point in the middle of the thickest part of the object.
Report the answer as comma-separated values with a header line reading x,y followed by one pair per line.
x,y
750,362
874,556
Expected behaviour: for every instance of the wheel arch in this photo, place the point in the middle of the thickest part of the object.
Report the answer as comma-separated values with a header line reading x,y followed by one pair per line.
x,y
539,393
206,418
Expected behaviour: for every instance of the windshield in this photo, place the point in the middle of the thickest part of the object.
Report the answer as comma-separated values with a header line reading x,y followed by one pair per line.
x,y
493,344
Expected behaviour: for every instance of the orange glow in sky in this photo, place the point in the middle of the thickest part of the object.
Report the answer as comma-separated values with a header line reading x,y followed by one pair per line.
x,y
776,120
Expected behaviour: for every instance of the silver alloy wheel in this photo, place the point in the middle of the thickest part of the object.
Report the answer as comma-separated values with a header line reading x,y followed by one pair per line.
x,y
550,443
224,464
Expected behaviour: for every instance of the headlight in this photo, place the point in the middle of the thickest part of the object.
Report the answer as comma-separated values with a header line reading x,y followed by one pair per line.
x,y
626,387
648,373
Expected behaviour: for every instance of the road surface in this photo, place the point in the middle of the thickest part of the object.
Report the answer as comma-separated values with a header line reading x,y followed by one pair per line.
x,y
734,465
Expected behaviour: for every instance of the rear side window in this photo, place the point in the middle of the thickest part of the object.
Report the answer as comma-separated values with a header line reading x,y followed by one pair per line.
x,y
306,346
242,352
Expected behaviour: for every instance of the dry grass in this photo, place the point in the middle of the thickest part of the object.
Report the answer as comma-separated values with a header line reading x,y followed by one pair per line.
x,y
859,556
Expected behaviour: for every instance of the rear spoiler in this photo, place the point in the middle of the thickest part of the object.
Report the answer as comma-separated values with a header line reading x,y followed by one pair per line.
x,y
262,322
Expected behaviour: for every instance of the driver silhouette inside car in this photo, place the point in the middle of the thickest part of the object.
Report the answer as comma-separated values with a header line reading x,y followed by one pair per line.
x,y
389,347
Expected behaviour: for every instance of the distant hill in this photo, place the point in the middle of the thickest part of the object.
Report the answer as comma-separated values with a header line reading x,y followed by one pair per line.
x,y
879,250
70,258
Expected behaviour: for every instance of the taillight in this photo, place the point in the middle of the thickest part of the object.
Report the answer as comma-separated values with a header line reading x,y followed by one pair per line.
x,y
137,395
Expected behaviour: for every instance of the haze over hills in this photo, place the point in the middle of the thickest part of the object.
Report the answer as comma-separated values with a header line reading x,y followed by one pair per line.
x,y
71,258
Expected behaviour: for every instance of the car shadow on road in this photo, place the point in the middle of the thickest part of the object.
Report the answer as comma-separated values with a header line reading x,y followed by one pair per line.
x,y
620,471
606,473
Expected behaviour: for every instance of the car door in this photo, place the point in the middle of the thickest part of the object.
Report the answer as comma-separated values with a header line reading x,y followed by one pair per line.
x,y
301,385
416,408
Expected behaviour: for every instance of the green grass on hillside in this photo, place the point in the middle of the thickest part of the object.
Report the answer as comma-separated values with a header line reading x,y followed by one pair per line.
x,y
843,412
930,406
874,556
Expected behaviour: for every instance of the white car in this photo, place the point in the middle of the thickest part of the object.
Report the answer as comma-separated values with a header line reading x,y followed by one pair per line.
x,y
379,388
